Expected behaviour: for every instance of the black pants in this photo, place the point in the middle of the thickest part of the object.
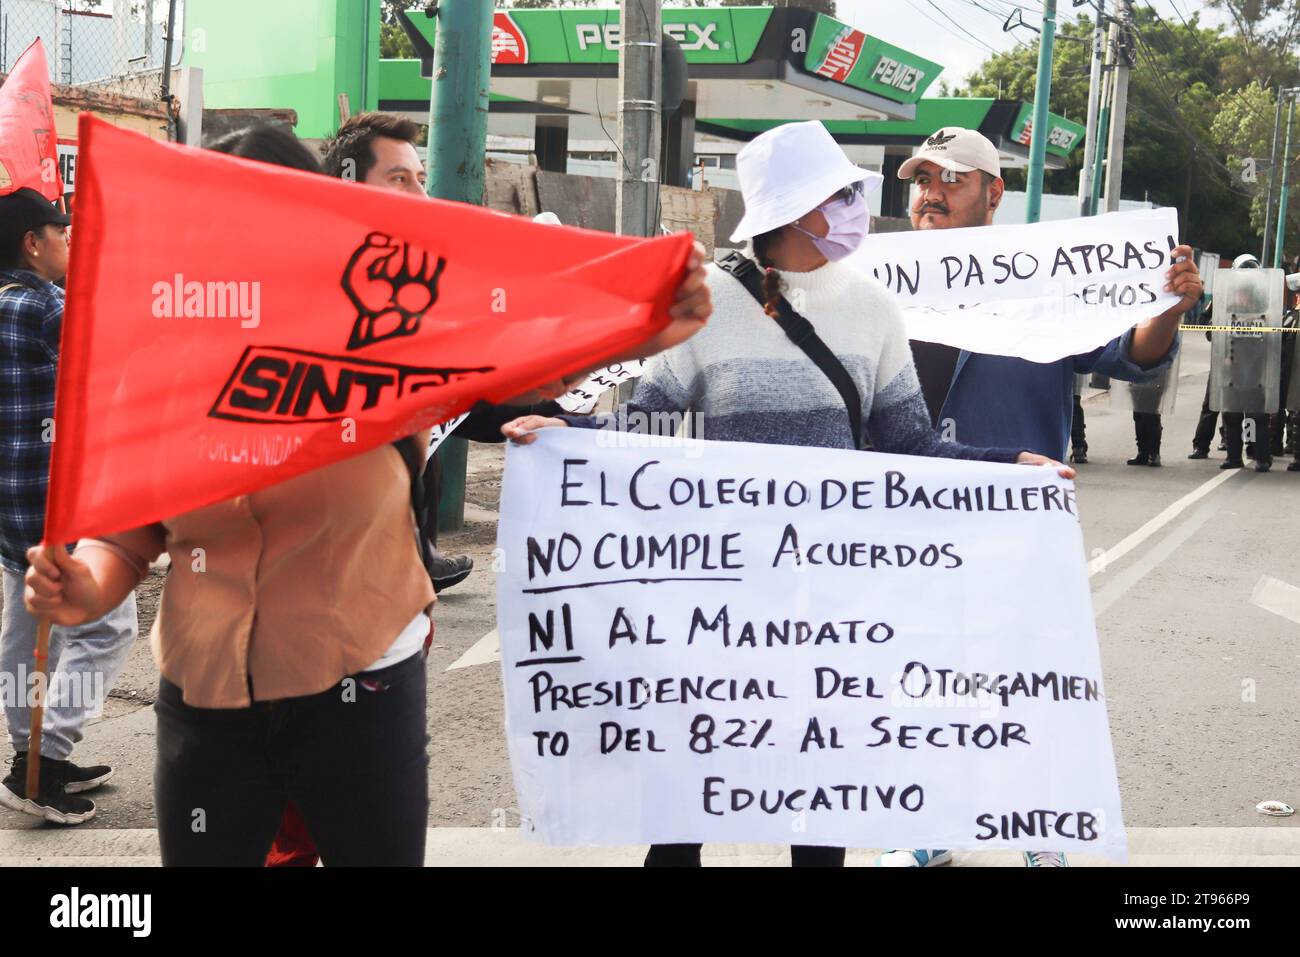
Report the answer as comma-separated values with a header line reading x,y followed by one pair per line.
x,y
1234,424
353,759
688,855
1148,431
1078,428
1285,424
433,495
1205,424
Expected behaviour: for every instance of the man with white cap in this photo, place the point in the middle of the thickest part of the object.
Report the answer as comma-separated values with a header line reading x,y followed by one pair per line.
x,y
1000,400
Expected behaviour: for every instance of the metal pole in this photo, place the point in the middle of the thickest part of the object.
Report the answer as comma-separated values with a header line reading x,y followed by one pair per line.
x,y
165,92
1042,95
1119,115
458,111
1103,120
1086,171
1272,182
1281,196
639,65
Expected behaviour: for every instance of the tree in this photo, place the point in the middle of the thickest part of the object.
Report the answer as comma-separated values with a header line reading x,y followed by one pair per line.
x,y
1266,30
1172,155
1244,125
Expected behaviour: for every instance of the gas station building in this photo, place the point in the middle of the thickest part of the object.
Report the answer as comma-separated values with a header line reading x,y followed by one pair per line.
x,y
730,73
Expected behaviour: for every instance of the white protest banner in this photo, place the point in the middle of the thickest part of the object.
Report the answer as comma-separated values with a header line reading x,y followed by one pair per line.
x,y
581,399
1042,291
745,643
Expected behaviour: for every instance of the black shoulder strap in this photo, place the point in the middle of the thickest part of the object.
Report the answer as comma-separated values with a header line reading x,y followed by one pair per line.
x,y
801,332
413,456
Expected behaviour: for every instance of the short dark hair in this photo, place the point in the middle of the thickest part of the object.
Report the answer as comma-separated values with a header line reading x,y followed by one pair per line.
x,y
268,144
350,150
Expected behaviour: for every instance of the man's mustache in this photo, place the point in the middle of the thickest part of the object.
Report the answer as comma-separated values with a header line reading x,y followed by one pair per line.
x,y
936,207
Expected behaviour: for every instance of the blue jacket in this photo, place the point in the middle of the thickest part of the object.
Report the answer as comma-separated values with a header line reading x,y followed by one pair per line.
x,y
1001,401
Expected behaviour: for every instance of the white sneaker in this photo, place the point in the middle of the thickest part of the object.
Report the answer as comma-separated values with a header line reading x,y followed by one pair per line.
x,y
914,858
1045,859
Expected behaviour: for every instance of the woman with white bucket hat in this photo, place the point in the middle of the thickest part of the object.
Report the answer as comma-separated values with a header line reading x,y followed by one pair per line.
x,y
744,378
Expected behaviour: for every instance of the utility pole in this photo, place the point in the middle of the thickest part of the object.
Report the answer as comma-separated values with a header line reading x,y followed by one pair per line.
x,y
1087,171
1272,182
639,66
1103,120
1119,113
1281,196
1042,95
458,109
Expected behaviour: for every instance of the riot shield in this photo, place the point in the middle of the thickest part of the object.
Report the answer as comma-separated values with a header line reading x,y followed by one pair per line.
x,y
1208,265
1156,396
1245,362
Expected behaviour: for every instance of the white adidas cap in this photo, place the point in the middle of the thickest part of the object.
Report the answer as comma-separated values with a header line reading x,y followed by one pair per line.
x,y
958,149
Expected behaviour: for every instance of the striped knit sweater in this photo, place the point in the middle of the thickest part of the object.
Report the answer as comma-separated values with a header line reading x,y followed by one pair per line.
x,y
744,381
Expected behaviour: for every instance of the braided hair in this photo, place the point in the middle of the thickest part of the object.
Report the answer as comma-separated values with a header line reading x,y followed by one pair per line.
x,y
771,278
762,244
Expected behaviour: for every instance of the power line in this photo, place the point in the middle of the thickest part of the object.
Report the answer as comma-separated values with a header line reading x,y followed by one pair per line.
x,y
1193,138
1201,148
954,22
945,28
1001,21
1206,55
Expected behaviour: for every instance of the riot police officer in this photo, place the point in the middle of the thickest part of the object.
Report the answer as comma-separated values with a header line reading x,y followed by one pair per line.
x,y
1245,364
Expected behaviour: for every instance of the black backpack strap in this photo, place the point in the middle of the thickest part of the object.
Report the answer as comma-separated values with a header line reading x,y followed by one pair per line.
x,y
801,332
413,456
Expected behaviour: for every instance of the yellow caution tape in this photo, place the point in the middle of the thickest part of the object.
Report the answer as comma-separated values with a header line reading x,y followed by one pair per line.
x,y
1241,329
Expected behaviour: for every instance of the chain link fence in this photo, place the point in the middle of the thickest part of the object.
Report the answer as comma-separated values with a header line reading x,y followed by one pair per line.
x,y
115,46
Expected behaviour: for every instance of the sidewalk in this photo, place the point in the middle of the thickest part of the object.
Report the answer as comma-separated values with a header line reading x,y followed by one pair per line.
x,y
478,846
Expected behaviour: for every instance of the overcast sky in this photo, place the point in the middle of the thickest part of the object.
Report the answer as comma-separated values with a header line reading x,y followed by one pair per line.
x,y
961,46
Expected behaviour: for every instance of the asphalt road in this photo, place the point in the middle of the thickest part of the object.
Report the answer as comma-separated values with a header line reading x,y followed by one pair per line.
x,y
1203,683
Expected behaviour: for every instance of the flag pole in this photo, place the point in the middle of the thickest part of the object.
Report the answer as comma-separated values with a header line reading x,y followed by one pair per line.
x,y
38,706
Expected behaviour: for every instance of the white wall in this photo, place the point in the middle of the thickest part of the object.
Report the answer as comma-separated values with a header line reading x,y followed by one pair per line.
x,y
97,49
1054,206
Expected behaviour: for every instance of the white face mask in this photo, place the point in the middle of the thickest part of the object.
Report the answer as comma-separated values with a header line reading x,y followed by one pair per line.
x,y
847,220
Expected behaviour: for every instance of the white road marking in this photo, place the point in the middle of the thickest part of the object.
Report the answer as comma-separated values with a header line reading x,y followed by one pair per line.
x,y
1277,596
1117,586
1130,542
484,651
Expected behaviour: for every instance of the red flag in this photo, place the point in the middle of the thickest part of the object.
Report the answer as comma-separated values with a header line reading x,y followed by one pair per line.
x,y
29,153
231,324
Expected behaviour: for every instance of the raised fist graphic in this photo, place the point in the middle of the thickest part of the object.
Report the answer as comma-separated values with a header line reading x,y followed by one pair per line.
x,y
392,284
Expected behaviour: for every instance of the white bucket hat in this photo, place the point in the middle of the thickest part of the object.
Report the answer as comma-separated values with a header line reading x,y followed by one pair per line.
x,y
788,171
